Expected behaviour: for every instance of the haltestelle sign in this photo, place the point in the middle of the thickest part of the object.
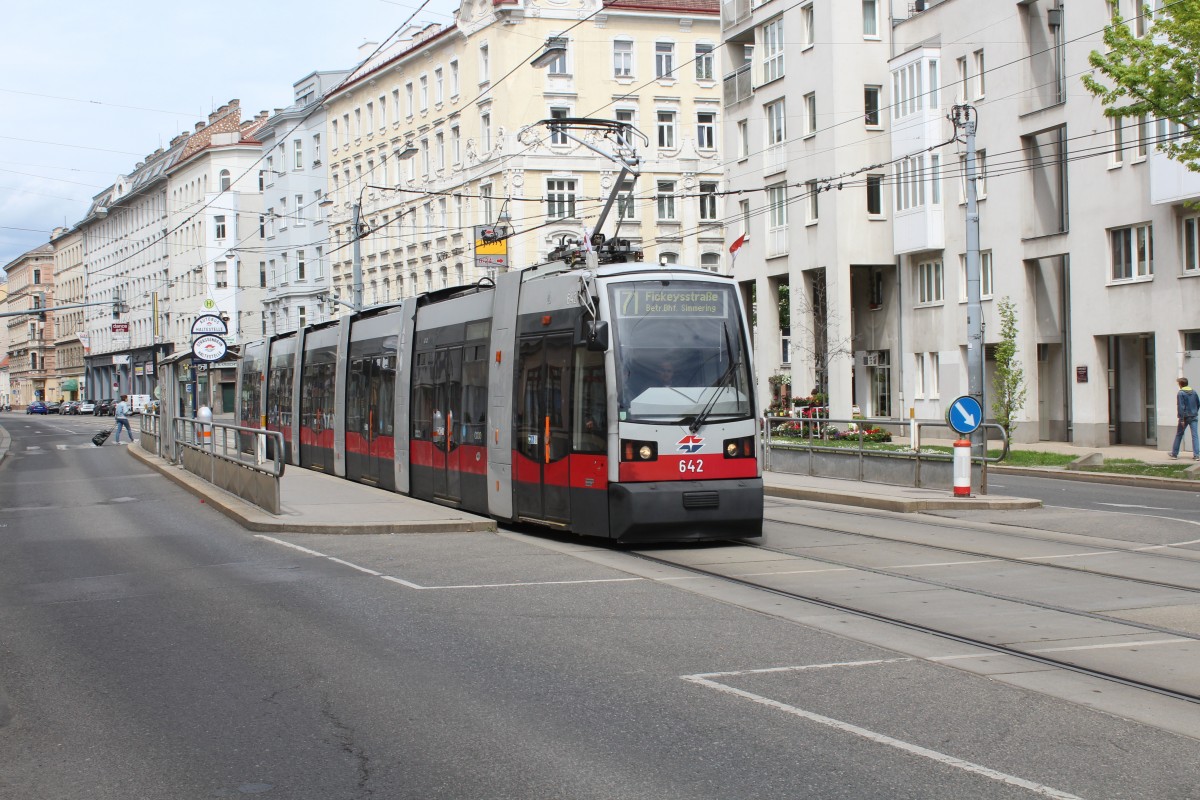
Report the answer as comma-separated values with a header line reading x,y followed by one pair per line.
x,y
209,323
209,348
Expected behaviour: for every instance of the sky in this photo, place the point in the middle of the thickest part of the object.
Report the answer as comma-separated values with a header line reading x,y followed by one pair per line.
x,y
90,89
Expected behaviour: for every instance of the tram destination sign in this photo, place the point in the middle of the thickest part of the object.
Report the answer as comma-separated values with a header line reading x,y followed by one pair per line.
x,y
657,301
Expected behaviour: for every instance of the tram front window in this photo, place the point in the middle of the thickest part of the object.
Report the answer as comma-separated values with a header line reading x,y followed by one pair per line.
x,y
680,352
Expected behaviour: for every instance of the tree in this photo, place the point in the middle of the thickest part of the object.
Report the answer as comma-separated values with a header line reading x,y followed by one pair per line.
x,y
1155,75
1008,384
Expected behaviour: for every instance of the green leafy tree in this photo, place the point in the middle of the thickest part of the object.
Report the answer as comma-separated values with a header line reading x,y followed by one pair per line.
x,y
1008,384
1154,75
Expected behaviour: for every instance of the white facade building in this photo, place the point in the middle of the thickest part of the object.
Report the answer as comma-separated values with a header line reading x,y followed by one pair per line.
x,y
293,265
1082,224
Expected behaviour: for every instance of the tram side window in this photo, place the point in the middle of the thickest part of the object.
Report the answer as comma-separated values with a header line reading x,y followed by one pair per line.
x,y
250,396
474,406
591,403
279,398
558,366
422,399
358,391
317,413
447,397
386,371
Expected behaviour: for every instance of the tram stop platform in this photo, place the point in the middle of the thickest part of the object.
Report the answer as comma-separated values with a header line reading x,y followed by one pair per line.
x,y
312,502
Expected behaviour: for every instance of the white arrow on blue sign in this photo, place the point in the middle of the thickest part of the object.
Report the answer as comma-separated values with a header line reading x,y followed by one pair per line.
x,y
965,415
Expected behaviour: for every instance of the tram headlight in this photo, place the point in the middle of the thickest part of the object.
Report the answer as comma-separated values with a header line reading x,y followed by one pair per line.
x,y
742,447
633,450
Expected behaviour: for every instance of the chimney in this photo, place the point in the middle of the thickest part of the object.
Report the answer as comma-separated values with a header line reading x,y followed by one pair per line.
x,y
366,48
200,126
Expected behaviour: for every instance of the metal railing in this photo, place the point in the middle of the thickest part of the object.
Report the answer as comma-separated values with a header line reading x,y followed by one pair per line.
x,y
246,447
815,433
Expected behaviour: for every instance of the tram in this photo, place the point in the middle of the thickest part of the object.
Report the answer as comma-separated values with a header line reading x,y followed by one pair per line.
x,y
612,401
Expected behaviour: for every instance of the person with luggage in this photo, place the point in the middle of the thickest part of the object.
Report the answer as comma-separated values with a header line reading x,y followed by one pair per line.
x,y
121,412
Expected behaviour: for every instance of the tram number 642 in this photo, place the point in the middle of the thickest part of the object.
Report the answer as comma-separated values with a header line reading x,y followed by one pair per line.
x,y
687,465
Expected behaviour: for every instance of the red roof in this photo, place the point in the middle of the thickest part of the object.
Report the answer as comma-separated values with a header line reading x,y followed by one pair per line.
x,y
684,6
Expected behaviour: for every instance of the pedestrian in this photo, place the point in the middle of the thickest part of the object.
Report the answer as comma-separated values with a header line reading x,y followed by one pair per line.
x,y
122,414
1187,406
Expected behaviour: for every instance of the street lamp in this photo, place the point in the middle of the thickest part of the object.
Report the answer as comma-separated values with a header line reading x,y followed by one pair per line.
x,y
556,48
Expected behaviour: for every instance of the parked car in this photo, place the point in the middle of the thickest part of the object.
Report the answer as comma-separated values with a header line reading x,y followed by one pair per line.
x,y
36,407
53,407
70,407
86,407
105,408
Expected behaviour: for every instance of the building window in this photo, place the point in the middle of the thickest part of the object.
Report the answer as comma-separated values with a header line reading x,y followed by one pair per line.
x,y
935,179
220,274
224,179
710,262
706,130
807,26
963,79
932,371
455,145
558,134
870,12
875,195
622,58
979,75
439,87
408,100
664,59
1116,130
1191,244
666,129
812,208
559,65
871,95
907,91
985,276
301,316
910,182
743,139
1143,137
218,228
560,198
980,176
776,123
708,201
704,62
777,207
316,148
772,48
453,79
1132,252
930,282
625,204
810,114
665,200
485,131
423,96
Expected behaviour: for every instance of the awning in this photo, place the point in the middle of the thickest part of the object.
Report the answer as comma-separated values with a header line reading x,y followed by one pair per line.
x,y
70,385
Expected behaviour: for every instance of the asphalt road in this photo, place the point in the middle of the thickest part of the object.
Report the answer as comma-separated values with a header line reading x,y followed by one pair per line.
x,y
149,648
1101,497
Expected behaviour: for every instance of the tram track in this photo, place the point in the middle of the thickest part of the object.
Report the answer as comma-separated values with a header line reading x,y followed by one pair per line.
x,y
941,633
1025,561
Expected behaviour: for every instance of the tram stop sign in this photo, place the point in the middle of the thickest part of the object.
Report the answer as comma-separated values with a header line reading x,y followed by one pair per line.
x,y
965,415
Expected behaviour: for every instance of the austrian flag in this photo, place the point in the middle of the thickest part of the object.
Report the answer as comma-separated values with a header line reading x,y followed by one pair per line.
x,y
737,245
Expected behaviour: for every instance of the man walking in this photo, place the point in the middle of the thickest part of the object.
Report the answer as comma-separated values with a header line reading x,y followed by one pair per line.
x,y
122,414
1187,405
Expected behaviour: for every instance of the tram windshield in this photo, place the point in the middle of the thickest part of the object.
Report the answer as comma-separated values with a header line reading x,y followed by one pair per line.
x,y
680,354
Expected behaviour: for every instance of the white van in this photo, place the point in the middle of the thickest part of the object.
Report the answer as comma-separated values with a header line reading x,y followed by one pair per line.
x,y
138,403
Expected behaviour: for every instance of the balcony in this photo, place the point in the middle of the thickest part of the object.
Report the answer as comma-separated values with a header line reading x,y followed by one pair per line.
x,y
739,85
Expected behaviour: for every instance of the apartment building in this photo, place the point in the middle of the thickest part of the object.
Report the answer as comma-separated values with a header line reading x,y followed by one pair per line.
x,y
215,234
1084,225
31,336
292,266
70,294
431,138
806,131
126,267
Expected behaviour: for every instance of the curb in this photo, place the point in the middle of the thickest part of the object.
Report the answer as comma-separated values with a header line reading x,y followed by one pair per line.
x,y
254,519
1144,481
902,505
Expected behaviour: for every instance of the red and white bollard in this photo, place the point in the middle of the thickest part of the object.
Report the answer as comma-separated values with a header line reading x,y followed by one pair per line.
x,y
962,468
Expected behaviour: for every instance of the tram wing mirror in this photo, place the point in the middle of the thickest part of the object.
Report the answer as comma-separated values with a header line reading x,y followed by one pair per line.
x,y
595,335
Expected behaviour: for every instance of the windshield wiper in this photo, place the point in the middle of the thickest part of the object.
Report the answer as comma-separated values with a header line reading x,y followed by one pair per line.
x,y
720,385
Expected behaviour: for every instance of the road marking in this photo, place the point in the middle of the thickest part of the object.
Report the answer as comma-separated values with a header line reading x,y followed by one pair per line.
x,y
874,736
412,585
1103,511
794,572
1129,505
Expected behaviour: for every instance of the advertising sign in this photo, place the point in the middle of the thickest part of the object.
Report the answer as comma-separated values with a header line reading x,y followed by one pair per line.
x,y
120,327
491,247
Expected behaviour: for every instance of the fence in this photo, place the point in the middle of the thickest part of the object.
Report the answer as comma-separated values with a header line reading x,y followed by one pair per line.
x,y
229,456
856,459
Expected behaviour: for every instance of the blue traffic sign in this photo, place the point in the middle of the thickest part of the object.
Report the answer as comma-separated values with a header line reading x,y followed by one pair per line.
x,y
965,415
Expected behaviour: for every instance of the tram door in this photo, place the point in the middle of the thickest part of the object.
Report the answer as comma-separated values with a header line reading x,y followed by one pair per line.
x,y
541,418
447,419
